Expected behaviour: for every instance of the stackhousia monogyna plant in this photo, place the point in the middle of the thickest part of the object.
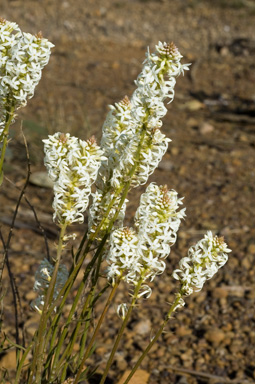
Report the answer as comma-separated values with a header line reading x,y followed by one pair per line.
x,y
132,146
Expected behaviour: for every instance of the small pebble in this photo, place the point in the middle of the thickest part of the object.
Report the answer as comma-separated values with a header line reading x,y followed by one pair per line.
x,y
143,327
215,335
206,128
183,331
140,377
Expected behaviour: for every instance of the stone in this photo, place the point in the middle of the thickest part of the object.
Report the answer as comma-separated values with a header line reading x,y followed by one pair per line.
x,y
183,331
206,128
31,295
41,179
194,105
251,249
220,292
143,327
140,377
31,325
215,335
8,361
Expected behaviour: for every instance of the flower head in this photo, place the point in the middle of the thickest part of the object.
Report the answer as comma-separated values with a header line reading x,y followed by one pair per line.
x,y
122,256
203,261
73,166
139,253
155,84
157,221
22,58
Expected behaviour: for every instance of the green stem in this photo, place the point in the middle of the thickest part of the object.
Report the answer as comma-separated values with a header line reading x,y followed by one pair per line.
x,y
83,319
84,337
64,293
66,289
4,138
121,331
95,277
50,340
155,338
75,303
21,362
101,319
68,352
77,255
65,331
36,368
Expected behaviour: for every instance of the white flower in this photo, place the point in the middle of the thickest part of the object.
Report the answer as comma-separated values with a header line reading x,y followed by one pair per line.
x,y
203,261
122,256
145,291
155,84
73,166
157,220
139,253
22,58
122,310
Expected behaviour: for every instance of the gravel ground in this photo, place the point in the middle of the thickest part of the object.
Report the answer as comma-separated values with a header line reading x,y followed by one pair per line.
x,y
99,49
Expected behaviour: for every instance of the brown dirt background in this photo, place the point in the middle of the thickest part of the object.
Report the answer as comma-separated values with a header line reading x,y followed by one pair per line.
x,y
99,49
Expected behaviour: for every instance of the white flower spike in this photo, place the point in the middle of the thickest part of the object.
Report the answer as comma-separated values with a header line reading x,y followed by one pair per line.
x,y
203,261
22,58
73,166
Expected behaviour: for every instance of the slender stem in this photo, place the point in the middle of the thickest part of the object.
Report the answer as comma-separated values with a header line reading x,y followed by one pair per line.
x,y
16,296
101,319
77,255
39,347
21,362
77,297
85,333
63,375
4,138
65,331
84,337
155,338
121,331
15,303
88,317
82,319
66,289
68,351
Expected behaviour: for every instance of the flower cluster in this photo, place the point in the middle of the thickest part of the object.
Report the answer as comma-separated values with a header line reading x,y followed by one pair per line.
x,y
73,166
140,252
22,58
155,84
132,139
158,220
42,281
115,137
123,255
203,261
